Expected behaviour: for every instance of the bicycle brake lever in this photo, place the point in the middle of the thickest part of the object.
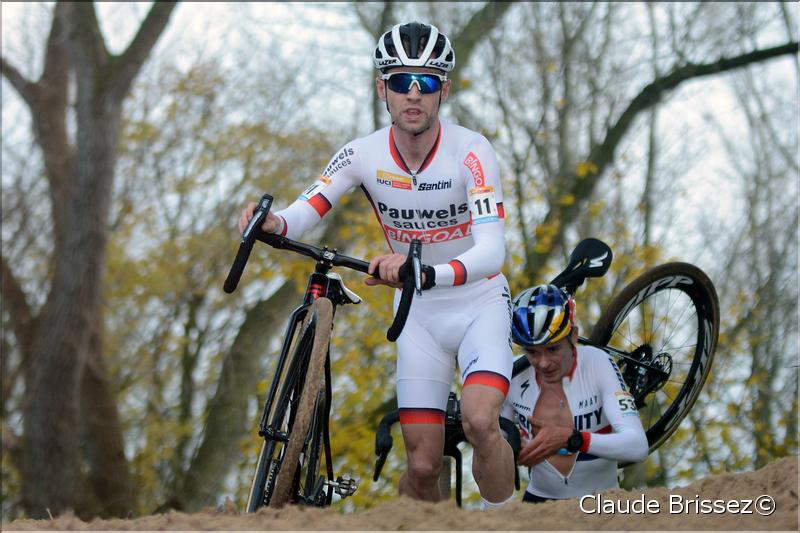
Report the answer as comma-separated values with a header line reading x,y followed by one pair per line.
x,y
415,252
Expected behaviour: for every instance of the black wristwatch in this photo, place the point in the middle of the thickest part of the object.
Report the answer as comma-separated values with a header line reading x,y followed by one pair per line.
x,y
575,441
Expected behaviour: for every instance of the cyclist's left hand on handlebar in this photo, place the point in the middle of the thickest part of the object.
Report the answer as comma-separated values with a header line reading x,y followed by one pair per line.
x,y
547,441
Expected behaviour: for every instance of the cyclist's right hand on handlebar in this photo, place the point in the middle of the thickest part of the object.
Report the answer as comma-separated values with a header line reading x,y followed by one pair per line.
x,y
271,225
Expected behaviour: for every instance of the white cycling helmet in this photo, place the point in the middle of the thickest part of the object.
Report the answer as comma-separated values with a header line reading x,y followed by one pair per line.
x,y
414,45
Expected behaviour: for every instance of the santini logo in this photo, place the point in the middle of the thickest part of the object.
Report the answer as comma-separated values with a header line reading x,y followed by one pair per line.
x,y
438,186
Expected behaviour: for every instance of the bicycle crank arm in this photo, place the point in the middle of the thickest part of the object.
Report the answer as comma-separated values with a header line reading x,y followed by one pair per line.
x,y
344,486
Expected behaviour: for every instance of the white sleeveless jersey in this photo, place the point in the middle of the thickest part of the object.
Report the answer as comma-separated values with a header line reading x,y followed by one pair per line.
x,y
602,409
453,204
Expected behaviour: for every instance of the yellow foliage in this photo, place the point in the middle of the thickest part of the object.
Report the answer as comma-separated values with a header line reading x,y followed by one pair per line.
x,y
595,209
544,235
566,199
585,168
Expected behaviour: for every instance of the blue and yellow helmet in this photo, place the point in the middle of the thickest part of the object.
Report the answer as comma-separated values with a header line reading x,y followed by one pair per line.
x,y
542,315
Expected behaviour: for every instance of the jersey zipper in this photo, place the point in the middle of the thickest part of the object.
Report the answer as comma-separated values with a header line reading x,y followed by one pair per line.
x,y
413,174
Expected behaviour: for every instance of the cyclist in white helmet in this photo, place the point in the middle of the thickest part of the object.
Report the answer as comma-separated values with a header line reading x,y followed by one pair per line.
x,y
435,181
575,415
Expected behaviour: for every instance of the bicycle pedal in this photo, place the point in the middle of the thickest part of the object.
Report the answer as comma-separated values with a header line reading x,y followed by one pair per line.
x,y
344,486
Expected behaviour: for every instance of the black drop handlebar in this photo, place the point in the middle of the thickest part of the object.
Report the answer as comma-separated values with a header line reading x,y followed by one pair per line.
x,y
410,273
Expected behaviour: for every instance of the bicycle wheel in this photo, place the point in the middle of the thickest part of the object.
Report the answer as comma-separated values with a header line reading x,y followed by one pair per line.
x,y
307,484
663,330
305,398
283,412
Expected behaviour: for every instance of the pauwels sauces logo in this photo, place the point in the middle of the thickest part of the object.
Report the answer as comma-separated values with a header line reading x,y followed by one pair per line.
x,y
341,160
395,181
475,168
427,225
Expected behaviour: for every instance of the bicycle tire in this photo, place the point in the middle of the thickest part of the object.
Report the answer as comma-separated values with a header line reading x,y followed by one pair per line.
x,y
281,415
308,482
631,320
308,476
308,394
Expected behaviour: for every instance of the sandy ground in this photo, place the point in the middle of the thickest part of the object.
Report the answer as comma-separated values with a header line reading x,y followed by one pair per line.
x,y
724,502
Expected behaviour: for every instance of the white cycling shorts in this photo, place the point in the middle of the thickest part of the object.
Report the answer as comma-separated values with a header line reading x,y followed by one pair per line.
x,y
470,324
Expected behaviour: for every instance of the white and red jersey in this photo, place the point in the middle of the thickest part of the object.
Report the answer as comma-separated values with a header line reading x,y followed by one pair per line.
x,y
601,407
453,203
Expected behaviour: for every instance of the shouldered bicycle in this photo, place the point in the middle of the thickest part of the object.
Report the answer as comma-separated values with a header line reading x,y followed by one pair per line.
x,y
661,330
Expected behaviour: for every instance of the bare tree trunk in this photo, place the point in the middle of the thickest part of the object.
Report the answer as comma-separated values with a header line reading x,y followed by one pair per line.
x,y
103,441
80,187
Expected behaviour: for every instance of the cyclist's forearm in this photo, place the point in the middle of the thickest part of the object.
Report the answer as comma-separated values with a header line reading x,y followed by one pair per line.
x,y
625,444
484,259
298,218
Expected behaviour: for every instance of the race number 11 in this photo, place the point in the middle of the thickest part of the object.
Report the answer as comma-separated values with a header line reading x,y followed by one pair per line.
x,y
483,205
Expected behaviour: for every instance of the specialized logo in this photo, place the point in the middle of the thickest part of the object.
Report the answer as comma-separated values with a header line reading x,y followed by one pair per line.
x,y
395,181
476,169
597,262
341,160
524,386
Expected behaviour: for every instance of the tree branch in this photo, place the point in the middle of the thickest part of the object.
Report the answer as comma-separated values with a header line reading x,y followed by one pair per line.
x,y
603,154
25,88
131,60
15,302
481,22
